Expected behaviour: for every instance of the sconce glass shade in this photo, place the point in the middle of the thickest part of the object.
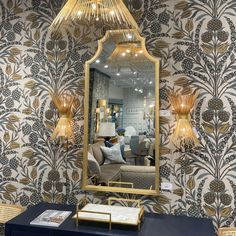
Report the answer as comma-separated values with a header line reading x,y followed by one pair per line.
x,y
107,129
63,128
183,133
112,12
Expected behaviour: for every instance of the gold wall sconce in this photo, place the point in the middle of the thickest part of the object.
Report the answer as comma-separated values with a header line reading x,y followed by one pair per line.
x,y
64,104
63,130
183,134
112,12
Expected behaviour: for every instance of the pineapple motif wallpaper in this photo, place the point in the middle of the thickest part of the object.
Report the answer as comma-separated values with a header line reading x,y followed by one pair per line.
x,y
196,41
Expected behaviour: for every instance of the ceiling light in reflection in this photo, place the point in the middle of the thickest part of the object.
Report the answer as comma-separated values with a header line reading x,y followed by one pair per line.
x,y
136,89
136,55
106,66
123,54
129,36
128,50
135,72
118,74
79,13
150,82
151,105
97,61
141,51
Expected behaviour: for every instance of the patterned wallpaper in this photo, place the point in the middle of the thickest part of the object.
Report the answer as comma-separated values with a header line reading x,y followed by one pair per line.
x,y
99,89
196,42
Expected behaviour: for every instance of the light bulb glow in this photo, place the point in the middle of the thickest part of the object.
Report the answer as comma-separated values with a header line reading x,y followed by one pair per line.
x,y
129,36
94,6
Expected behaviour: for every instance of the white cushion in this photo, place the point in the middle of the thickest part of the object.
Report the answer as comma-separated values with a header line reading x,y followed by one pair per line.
x,y
93,165
113,154
130,131
121,140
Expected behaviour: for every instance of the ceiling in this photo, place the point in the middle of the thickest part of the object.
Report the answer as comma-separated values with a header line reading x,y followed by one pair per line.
x,y
125,63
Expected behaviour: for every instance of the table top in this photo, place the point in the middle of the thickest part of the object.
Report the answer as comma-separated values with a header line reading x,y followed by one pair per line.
x,y
153,225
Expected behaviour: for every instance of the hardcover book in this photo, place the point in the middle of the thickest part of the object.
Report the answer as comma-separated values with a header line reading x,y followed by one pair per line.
x,y
51,218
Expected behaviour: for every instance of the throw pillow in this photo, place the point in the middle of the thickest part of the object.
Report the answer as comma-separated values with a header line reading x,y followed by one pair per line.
x,y
113,154
93,165
108,144
97,153
122,148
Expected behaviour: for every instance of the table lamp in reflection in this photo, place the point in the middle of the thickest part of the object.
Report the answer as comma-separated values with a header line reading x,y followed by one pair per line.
x,y
107,130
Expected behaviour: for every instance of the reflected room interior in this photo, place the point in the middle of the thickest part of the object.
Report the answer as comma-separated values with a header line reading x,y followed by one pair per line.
x,y
122,115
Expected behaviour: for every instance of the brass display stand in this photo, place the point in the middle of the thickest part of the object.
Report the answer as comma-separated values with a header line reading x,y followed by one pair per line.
x,y
111,214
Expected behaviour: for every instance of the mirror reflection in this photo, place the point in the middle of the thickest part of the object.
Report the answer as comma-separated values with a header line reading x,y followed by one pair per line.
x,y
121,127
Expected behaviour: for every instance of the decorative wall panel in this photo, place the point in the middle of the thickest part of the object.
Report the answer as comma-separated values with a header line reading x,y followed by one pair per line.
x,y
196,42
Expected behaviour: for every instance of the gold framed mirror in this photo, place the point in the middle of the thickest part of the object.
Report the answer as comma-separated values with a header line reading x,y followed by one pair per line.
x,y
121,130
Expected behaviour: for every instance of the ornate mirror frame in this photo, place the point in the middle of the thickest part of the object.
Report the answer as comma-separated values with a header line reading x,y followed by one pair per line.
x,y
86,120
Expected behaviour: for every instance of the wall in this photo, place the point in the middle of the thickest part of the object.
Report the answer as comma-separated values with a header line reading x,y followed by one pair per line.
x,y
196,41
99,89
34,64
115,92
134,110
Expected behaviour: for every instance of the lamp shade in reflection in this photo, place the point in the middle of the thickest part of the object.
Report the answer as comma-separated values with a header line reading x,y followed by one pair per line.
x,y
112,12
183,133
107,129
64,126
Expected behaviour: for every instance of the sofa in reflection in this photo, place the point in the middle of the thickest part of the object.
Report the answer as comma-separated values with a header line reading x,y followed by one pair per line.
x,y
104,172
140,176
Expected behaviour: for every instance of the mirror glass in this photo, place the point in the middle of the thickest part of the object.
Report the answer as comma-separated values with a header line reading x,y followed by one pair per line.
x,y
121,103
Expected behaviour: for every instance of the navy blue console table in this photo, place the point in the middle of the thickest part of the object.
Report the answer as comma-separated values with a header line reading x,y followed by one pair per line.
x,y
153,225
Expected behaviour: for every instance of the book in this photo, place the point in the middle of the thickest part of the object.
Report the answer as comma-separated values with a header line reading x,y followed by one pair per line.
x,y
51,218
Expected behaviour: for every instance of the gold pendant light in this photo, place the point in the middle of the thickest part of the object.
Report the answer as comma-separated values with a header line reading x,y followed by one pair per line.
x,y
111,12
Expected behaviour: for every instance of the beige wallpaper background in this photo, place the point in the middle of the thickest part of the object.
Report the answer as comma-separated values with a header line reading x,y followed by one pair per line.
x,y
196,42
